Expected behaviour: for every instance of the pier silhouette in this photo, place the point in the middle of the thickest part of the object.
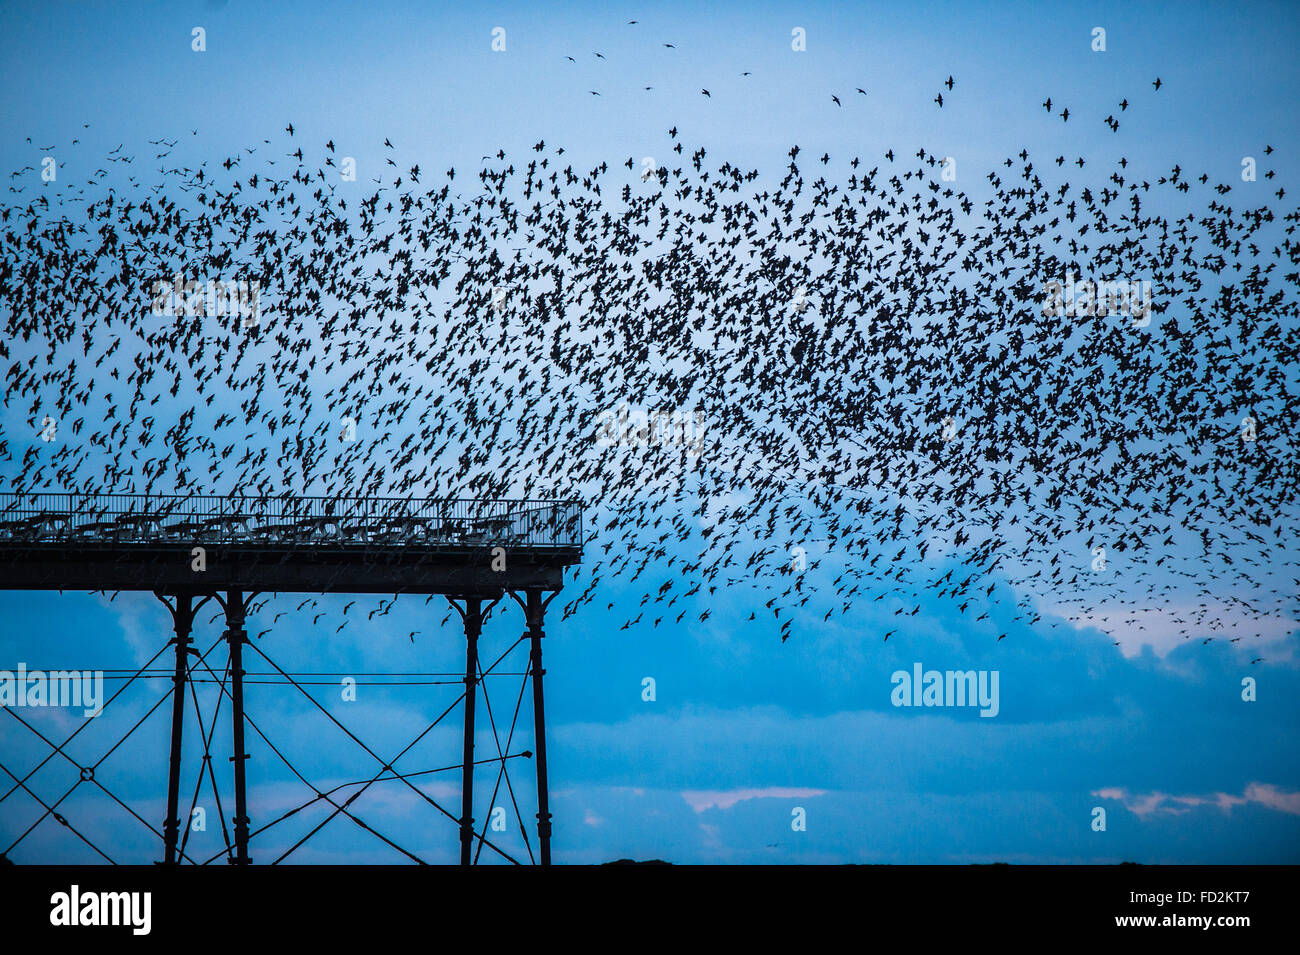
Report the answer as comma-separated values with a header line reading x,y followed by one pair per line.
x,y
188,550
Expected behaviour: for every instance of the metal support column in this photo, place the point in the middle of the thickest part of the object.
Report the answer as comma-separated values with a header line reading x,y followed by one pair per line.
x,y
535,610
473,627
236,637
183,621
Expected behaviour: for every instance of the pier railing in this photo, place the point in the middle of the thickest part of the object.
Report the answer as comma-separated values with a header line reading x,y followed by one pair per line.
x,y
56,517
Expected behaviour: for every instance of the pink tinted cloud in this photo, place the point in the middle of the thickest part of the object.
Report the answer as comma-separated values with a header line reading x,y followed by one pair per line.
x,y
1145,804
702,799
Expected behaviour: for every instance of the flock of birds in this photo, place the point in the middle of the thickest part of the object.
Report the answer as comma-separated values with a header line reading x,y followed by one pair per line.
x,y
880,407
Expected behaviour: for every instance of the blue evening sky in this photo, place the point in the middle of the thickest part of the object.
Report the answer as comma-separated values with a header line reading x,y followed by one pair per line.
x,y
744,730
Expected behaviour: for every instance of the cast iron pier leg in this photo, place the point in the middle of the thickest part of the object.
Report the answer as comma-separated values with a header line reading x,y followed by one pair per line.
x,y
535,611
183,618
236,637
473,627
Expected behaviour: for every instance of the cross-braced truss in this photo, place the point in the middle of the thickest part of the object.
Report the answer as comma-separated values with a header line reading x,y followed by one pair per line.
x,y
194,668
453,548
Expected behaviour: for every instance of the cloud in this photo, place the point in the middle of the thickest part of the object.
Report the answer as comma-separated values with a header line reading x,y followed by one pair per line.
x,y
1152,803
1274,798
145,624
1163,628
700,799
